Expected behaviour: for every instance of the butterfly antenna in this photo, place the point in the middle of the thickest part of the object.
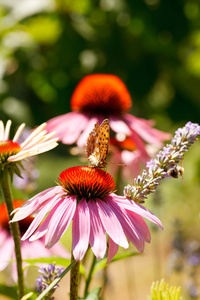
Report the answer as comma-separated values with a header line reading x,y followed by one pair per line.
x,y
121,165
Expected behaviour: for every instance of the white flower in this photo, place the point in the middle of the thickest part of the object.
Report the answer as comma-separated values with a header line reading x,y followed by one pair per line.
x,y
37,142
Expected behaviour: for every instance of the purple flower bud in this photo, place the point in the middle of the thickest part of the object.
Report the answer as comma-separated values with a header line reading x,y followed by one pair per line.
x,y
46,277
165,163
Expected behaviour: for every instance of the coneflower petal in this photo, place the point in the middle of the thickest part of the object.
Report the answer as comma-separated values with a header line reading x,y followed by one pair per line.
x,y
98,240
80,230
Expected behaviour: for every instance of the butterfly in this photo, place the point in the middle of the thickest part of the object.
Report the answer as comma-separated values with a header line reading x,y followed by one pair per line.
x,y
97,144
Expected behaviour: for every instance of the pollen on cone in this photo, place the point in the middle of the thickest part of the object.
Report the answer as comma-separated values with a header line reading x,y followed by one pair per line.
x,y
87,182
8,148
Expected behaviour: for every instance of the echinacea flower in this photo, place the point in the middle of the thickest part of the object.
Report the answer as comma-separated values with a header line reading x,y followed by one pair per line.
x,y
123,151
100,96
12,151
86,197
29,250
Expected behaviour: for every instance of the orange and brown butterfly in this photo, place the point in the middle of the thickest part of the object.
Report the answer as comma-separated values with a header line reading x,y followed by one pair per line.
x,y
97,144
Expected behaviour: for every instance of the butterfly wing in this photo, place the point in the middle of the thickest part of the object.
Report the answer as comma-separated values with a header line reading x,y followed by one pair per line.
x,y
97,144
103,140
92,140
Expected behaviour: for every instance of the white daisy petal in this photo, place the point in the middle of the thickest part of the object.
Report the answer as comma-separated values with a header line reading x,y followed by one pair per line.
x,y
47,145
37,142
49,136
7,130
33,134
19,131
22,155
1,131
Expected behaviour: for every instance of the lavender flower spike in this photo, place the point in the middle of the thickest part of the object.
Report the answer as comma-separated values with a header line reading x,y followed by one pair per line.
x,y
48,275
165,163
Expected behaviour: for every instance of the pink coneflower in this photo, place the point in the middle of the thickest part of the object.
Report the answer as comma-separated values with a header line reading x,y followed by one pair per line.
x,y
101,96
37,142
86,197
125,152
29,250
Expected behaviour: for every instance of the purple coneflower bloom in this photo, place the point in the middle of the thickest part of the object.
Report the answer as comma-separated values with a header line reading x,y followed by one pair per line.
x,y
86,197
125,152
29,250
100,96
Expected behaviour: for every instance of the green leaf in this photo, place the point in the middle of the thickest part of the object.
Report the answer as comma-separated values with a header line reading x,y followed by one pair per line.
x,y
49,260
9,291
93,295
82,270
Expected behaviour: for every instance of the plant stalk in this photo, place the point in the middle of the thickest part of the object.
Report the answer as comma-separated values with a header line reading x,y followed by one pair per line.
x,y
14,228
74,280
89,276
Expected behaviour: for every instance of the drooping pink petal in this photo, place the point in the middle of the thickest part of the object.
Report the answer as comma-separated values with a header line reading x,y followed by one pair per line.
x,y
42,229
6,252
138,209
131,231
80,230
97,232
112,251
68,127
59,250
149,134
111,224
119,126
88,128
141,226
34,250
41,214
35,203
139,144
60,220
3,236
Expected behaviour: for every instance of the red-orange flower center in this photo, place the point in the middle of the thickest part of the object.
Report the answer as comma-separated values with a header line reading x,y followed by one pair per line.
x,y
8,148
126,144
87,182
101,94
4,220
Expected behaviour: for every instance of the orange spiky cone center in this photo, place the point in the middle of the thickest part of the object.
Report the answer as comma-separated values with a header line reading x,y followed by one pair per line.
x,y
87,182
101,94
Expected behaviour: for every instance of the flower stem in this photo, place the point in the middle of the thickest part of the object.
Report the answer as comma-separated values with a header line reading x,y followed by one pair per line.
x,y
14,228
89,276
74,280
119,180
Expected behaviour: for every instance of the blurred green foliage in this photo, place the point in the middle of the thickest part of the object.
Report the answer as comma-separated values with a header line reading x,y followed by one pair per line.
x,y
152,45
48,46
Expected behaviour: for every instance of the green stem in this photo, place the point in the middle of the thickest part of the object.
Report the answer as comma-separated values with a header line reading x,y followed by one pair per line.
x,y
14,228
118,180
89,276
74,280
